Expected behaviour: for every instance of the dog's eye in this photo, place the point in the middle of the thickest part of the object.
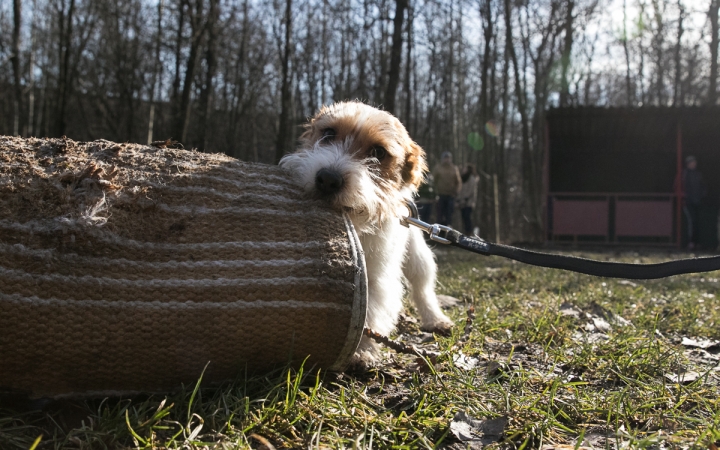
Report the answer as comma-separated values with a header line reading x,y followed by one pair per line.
x,y
328,133
378,153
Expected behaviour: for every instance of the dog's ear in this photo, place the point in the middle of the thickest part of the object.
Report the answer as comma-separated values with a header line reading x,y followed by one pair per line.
x,y
413,171
304,138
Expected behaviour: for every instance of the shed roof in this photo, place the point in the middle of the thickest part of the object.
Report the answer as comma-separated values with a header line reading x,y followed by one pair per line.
x,y
643,122
596,149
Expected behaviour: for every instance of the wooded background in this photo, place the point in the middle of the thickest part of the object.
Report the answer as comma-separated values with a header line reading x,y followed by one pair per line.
x,y
474,77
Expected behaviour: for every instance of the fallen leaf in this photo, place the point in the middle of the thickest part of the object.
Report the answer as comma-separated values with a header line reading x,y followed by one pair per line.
x,y
568,309
705,344
598,311
683,377
562,447
477,433
590,337
493,368
424,338
465,362
601,324
447,301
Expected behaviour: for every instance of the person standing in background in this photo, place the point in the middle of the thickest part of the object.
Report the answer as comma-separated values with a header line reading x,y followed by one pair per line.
x,y
425,200
467,198
694,192
447,187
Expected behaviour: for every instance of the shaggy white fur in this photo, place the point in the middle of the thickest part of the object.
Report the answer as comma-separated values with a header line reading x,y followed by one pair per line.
x,y
373,193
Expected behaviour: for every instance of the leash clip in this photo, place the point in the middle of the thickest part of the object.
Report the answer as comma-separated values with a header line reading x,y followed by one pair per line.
x,y
433,230
435,233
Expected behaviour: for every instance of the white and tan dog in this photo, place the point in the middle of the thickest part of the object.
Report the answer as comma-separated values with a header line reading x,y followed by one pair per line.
x,y
362,160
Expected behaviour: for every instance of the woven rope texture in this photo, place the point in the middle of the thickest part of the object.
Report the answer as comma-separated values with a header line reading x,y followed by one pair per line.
x,y
128,268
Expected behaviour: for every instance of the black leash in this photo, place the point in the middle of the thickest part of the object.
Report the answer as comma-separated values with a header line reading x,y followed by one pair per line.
x,y
446,235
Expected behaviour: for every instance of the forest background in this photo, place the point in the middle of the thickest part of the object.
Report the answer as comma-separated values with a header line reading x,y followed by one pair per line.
x,y
474,77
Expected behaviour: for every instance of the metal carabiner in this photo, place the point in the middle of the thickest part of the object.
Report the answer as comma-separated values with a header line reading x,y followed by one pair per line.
x,y
433,230
435,233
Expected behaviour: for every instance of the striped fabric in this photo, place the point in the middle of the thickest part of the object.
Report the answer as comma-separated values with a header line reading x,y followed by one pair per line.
x,y
126,268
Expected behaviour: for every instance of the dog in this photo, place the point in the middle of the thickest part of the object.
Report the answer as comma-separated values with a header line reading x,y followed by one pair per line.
x,y
362,160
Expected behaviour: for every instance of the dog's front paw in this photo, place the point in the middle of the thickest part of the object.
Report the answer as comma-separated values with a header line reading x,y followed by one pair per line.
x,y
442,325
361,363
366,356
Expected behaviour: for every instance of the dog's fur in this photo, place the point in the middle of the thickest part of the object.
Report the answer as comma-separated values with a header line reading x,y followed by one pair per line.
x,y
380,168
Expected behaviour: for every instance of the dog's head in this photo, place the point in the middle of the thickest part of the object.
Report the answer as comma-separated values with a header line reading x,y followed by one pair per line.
x,y
359,159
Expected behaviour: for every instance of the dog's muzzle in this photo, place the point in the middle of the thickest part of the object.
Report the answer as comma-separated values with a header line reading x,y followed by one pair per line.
x,y
328,181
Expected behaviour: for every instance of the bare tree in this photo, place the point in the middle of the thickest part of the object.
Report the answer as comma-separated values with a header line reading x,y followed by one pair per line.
x,y
395,55
15,59
677,79
658,43
486,158
196,16
71,44
157,71
630,91
240,76
282,144
713,18
31,76
205,107
567,52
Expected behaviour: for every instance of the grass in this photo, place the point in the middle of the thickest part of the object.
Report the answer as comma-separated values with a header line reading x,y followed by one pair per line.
x,y
606,372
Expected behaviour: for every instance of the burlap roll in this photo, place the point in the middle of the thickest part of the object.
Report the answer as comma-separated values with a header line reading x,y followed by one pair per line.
x,y
128,268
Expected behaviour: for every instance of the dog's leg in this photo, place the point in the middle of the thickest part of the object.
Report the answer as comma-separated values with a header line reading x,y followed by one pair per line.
x,y
385,289
384,307
421,271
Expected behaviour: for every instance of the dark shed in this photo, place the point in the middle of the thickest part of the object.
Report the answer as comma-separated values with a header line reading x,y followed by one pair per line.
x,y
611,172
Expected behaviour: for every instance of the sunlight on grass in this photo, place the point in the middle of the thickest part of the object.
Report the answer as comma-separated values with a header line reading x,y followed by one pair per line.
x,y
566,358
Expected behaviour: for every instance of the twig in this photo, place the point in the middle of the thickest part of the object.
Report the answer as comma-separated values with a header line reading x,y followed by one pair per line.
x,y
399,346
263,441
468,323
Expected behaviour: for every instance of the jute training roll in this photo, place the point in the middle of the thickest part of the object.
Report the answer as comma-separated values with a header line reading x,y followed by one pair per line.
x,y
128,268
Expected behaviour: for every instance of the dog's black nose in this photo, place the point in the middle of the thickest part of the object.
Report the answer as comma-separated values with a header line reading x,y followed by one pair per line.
x,y
328,181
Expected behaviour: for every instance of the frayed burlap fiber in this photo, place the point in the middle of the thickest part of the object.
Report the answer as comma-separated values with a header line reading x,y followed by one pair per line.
x,y
128,268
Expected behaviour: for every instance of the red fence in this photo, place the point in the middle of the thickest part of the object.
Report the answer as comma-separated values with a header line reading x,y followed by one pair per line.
x,y
612,217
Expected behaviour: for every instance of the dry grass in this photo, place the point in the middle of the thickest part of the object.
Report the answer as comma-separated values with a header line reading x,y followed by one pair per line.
x,y
568,360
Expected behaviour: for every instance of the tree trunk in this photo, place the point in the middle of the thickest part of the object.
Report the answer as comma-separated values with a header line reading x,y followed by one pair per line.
x,y
503,188
628,86
19,114
380,64
484,157
239,87
178,64
395,56
408,70
659,43
65,45
282,144
449,88
529,177
325,56
677,97
198,30
713,18
567,53
31,76
156,76
211,61
641,54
